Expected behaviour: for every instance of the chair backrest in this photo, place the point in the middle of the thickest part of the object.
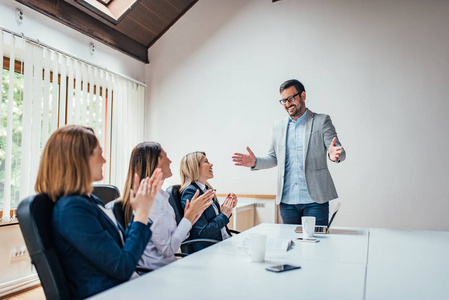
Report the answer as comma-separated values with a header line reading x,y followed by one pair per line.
x,y
117,209
106,192
175,201
35,218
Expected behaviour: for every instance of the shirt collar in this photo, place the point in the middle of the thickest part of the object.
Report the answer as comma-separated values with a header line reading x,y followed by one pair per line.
x,y
301,119
164,193
201,186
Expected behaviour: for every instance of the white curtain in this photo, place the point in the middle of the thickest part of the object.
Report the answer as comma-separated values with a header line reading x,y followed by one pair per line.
x,y
59,90
127,127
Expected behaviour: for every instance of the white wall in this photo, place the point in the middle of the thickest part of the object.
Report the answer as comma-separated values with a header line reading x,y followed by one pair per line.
x,y
61,37
379,68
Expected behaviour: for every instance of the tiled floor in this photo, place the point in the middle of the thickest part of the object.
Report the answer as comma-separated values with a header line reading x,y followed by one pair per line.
x,y
34,294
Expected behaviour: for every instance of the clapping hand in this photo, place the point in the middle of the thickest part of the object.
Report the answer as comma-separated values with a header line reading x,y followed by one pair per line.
x,y
228,205
195,207
142,195
334,151
233,199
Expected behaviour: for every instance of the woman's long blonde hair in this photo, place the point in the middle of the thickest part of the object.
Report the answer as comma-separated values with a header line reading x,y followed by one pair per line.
x,y
190,169
64,167
144,160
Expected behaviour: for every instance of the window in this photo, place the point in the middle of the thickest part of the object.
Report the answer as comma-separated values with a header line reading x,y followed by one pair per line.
x,y
34,103
16,123
111,10
43,89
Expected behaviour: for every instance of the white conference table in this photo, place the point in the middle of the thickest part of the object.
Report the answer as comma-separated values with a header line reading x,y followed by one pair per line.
x,y
348,263
405,264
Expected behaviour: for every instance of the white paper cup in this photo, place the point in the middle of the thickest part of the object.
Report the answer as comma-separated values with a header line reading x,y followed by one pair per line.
x,y
257,246
308,227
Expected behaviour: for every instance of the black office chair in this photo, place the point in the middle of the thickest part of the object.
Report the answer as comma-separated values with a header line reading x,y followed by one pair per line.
x,y
175,202
106,192
35,217
117,208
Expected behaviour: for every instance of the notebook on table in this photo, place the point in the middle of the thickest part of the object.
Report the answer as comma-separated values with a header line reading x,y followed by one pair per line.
x,y
321,228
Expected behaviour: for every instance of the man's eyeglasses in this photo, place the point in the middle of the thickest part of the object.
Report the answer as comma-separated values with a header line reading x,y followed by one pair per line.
x,y
289,99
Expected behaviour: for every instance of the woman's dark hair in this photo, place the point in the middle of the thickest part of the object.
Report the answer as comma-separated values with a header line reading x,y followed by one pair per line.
x,y
143,162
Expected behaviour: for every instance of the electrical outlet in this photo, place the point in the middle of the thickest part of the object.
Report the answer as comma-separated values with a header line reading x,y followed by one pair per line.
x,y
17,254
19,16
262,205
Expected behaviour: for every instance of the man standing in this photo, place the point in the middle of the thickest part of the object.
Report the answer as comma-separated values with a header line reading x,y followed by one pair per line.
x,y
300,146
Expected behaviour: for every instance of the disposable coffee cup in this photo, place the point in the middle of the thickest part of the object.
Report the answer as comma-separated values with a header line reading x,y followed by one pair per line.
x,y
257,246
308,227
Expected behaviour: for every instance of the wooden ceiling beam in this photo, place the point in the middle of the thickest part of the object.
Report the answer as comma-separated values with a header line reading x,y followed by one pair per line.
x,y
173,22
74,18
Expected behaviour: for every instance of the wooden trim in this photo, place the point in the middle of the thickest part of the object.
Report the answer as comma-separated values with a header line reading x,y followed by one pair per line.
x,y
14,221
250,196
18,65
19,294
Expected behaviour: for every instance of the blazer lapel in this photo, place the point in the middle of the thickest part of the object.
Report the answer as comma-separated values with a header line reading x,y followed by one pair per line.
x,y
201,191
114,226
309,121
284,129
215,200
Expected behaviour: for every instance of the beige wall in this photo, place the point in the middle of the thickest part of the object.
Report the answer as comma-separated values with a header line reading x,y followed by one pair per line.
x,y
12,270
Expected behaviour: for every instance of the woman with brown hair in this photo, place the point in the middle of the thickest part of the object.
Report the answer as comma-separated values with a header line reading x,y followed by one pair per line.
x,y
95,252
195,171
167,235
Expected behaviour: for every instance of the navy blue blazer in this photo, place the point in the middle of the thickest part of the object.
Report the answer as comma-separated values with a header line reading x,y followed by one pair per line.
x,y
209,225
90,248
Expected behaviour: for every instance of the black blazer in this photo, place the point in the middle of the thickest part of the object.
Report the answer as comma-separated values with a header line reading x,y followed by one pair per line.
x,y
209,225
90,248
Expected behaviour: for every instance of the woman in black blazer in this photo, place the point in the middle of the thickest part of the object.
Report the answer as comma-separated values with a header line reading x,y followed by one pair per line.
x,y
195,171
94,251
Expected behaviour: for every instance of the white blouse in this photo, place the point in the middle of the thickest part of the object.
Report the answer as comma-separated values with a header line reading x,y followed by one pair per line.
x,y
166,236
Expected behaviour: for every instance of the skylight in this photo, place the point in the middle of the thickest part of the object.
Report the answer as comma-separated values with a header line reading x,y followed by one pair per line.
x,y
105,2
111,10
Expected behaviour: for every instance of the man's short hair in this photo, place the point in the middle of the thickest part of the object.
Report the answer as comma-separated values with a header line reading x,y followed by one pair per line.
x,y
292,82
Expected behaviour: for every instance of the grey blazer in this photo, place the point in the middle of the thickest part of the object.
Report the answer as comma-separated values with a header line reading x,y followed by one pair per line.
x,y
319,134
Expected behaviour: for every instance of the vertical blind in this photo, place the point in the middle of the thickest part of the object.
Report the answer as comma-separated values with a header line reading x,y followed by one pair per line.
x,y
59,89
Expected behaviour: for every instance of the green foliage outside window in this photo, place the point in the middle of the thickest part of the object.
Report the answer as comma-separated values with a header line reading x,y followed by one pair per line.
x,y
16,135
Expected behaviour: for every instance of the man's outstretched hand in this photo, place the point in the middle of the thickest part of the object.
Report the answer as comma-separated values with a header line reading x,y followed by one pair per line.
x,y
334,151
245,160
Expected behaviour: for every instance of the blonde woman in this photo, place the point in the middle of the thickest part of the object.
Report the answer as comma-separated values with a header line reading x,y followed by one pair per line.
x,y
195,171
167,235
95,253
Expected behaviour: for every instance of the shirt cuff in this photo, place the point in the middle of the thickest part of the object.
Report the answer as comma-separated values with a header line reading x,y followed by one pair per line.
x,y
255,164
335,161
185,223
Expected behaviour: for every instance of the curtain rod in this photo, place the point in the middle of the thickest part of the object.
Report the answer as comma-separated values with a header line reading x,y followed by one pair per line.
x,y
39,43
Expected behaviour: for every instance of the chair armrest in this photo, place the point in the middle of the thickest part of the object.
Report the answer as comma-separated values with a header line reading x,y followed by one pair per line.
x,y
188,242
181,254
142,270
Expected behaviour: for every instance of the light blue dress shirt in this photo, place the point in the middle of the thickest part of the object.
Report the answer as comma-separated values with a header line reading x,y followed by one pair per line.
x,y
295,186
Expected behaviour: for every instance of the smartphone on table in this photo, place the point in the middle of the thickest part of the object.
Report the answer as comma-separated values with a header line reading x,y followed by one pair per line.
x,y
282,268
308,240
